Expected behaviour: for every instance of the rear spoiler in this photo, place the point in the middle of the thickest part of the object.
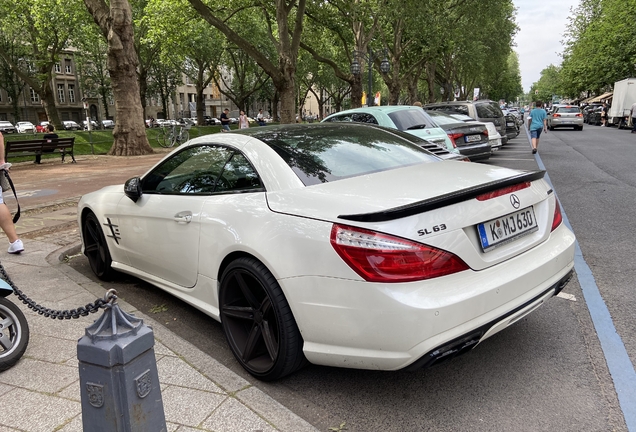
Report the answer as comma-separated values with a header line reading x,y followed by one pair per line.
x,y
443,200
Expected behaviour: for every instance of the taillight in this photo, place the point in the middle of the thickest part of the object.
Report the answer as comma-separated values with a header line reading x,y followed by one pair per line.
x,y
380,257
454,136
558,218
556,115
579,115
503,191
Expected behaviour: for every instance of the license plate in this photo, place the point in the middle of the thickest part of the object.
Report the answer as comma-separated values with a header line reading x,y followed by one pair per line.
x,y
510,124
472,138
497,232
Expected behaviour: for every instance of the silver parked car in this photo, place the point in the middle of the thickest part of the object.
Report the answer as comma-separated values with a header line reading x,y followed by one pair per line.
x,y
565,116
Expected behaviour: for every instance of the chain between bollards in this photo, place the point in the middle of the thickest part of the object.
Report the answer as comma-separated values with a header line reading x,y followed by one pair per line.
x,y
109,297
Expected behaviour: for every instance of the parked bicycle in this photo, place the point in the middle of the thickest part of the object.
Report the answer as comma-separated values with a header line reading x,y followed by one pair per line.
x,y
169,136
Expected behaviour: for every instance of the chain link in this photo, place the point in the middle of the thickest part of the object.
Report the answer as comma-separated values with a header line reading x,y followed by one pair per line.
x,y
110,296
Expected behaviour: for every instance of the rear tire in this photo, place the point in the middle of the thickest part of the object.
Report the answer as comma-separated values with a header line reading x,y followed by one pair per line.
x,y
14,334
257,321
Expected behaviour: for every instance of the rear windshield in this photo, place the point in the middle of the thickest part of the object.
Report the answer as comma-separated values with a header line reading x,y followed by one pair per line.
x,y
568,109
459,109
321,155
443,118
409,119
488,110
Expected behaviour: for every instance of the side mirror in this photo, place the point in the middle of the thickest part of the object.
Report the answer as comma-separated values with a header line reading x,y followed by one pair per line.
x,y
132,188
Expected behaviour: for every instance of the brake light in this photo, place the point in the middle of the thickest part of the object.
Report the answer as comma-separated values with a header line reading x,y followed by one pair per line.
x,y
556,115
558,218
579,115
378,257
503,191
454,136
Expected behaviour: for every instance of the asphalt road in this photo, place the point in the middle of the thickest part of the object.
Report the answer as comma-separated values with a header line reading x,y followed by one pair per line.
x,y
545,373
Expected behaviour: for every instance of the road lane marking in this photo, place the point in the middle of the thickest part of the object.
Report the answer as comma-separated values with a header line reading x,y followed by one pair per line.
x,y
620,366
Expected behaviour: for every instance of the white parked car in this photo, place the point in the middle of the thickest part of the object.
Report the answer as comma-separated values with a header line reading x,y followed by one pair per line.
x,y
71,125
341,243
25,127
108,124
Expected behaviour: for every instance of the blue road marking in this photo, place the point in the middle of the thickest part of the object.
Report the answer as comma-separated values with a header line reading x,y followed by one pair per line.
x,y
620,366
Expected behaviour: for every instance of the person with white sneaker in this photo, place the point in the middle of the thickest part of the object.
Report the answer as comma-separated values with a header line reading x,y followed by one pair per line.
x,y
6,222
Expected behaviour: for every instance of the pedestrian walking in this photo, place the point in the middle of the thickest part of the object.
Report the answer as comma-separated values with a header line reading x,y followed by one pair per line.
x,y
537,123
225,120
6,222
243,121
604,115
633,114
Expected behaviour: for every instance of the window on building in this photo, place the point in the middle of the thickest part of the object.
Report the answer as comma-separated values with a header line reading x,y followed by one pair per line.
x,y
34,96
60,93
58,68
71,93
67,66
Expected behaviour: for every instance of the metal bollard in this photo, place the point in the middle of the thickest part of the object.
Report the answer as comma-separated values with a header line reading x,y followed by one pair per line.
x,y
118,375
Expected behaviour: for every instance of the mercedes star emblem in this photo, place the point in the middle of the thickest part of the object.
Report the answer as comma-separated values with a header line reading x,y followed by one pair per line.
x,y
514,200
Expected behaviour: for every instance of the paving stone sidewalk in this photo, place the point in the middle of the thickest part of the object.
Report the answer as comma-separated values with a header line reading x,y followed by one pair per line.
x,y
42,392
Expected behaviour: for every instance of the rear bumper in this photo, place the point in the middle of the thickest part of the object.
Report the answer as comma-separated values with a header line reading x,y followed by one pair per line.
x,y
356,324
476,151
470,340
567,123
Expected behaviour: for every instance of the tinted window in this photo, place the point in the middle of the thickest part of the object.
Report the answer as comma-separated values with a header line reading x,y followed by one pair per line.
x,y
488,110
201,170
363,118
339,118
568,109
459,109
410,119
328,154
442,118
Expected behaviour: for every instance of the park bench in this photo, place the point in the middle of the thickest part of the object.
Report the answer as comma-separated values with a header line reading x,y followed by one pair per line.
x,y
39,147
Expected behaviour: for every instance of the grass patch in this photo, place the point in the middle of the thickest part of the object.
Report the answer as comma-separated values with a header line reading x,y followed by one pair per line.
x,y
101,140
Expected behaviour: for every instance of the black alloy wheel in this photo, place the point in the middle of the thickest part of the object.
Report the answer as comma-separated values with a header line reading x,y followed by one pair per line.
x,y
96,248
14,334
258,322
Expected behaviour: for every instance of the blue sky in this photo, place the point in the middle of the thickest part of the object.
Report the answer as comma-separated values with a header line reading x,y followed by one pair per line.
x,y
538,41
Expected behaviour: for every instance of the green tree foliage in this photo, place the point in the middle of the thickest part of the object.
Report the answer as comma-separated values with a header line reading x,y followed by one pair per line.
x,y
44,28
600,46
549,84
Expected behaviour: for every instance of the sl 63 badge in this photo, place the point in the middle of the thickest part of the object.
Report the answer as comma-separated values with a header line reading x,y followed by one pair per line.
x,y
431,230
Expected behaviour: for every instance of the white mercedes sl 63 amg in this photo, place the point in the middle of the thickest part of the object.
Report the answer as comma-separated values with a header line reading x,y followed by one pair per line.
x,y
345,245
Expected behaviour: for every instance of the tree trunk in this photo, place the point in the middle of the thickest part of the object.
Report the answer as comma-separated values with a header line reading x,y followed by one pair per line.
x,y
356,91
115,22
430,80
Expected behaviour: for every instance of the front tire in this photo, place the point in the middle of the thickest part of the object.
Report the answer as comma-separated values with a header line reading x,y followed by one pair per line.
x,y
14,334
258,322
96,248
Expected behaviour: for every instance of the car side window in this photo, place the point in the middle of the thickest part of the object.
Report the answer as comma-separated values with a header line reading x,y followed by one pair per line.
x,y
340,118
364,118
194,170
238,175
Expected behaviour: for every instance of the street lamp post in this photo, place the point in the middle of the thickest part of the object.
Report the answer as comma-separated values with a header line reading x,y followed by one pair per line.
x,y
369,57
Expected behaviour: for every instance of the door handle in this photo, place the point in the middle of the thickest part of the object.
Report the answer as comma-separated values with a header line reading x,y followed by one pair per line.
x,y
183,217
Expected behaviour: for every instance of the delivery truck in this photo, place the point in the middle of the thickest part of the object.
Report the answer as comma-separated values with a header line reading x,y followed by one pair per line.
x,y
623,98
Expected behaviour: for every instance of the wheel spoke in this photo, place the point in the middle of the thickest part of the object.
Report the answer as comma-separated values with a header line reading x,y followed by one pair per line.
x,y
247,293
250,344
245,313
270,341
92,231
5,342
6,323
